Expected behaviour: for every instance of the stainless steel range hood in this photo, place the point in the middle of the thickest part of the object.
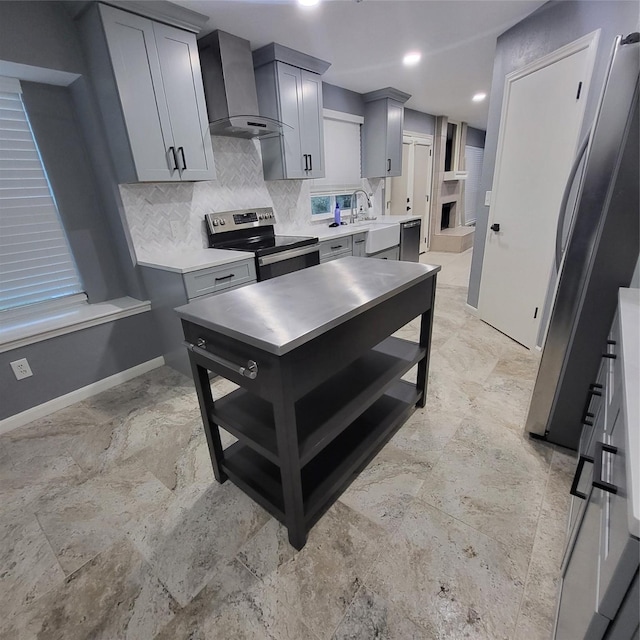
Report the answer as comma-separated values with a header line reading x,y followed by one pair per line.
x,y
230,88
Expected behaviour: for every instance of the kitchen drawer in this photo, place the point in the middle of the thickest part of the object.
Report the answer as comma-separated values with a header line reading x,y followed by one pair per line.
x,y
393,253
577,614
335,256
330,249
614,364
625,626
215,279
619,551
359,241
584,474
596,395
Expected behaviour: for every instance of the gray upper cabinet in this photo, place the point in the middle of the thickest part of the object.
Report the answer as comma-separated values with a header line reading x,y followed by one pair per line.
x,y
289,86
147,78
382,133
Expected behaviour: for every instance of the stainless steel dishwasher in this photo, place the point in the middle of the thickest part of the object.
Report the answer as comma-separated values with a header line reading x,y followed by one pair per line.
x,y
410,240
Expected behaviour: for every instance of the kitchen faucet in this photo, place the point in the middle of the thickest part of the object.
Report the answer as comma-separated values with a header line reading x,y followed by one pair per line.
x,y
354,204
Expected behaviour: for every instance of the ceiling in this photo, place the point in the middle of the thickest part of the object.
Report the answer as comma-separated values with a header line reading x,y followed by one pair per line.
x,y
366,40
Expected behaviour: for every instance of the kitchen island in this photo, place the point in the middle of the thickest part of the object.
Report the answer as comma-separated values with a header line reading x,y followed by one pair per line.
x,y
319,375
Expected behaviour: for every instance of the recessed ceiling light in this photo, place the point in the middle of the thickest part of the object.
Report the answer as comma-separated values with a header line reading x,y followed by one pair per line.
x,y
308,3
411,58
479,97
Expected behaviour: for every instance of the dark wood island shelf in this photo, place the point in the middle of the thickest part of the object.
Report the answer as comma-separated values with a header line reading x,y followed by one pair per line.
x,y
320,391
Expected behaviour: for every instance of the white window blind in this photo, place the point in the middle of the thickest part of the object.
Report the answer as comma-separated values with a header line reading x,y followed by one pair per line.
x,y
473,164
341,157
36,263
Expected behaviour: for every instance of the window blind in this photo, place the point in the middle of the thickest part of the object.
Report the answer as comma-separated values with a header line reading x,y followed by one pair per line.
x,y
342,157
473,164
36,263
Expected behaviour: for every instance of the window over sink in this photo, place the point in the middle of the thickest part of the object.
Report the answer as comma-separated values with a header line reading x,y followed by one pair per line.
x,y
323,206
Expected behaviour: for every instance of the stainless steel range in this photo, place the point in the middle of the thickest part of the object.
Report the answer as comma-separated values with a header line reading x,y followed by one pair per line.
x,y
252,230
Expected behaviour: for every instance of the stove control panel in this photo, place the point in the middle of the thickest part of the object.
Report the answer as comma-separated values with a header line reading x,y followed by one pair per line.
x,y
243,219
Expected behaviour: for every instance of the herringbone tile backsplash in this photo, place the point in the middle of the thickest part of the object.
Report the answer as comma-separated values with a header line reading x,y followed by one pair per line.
x,y
169,216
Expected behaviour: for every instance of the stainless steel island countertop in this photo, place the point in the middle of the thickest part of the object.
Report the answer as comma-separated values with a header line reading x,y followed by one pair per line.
x,y
281,314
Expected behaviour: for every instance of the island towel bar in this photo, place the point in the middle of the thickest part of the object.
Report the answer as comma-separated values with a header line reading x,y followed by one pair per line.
x,y
250,370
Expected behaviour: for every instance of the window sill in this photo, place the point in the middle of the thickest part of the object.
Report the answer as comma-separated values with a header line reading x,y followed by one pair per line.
x,y
51,324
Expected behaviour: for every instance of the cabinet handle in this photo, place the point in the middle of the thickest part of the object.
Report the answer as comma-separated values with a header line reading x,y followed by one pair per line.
x,y
595,385
336,247
585,416
359,241
184,162
231,275
598,482
612,356
310,162
388,164
576,478
611,342
172,151
306,162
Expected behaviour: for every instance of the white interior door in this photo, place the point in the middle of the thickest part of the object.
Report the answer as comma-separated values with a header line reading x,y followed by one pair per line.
x,y
410,193
422,189
541,120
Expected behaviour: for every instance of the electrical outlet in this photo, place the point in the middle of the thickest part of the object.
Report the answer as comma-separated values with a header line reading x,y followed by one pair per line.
x,y
21,369
175,228
487,198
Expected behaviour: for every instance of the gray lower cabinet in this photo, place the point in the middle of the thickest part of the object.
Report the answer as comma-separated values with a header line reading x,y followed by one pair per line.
x,y
359,241
149,87
292,95
168,290
599,594
393,253
338,248
382,133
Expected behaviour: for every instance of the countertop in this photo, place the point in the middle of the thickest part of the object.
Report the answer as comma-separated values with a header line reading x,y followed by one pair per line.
x,y
281,314
325,232
184,262
629,309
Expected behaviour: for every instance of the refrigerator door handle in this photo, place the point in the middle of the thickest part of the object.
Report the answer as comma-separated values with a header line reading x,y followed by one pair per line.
x,y
565,197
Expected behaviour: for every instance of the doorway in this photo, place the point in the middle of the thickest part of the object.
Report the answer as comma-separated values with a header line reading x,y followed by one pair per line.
x,y
410,193
542,115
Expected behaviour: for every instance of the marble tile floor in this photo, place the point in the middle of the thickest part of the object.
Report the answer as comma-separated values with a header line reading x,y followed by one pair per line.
x,y
112,525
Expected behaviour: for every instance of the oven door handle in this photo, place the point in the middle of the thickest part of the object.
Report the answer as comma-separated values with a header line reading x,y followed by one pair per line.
x,y
287,255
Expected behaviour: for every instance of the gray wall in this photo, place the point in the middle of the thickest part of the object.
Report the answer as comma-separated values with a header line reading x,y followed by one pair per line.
x,y
39,34
476,137
348,101
340,99
72,144
419,122
554,25
66,363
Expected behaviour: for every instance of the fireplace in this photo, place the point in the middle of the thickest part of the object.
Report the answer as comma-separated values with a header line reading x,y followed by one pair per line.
x,y
448,215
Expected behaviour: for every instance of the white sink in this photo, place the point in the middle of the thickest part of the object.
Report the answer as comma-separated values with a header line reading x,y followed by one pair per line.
x,y
382,236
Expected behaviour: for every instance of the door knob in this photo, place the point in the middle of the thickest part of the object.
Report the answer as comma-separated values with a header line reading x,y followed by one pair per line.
x,y
495,227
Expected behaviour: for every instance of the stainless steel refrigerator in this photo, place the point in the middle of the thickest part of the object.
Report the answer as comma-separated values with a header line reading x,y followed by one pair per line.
x,y
600,255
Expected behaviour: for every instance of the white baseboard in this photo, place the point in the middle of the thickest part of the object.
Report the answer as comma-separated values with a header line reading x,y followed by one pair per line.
x,y
44,409
472,310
